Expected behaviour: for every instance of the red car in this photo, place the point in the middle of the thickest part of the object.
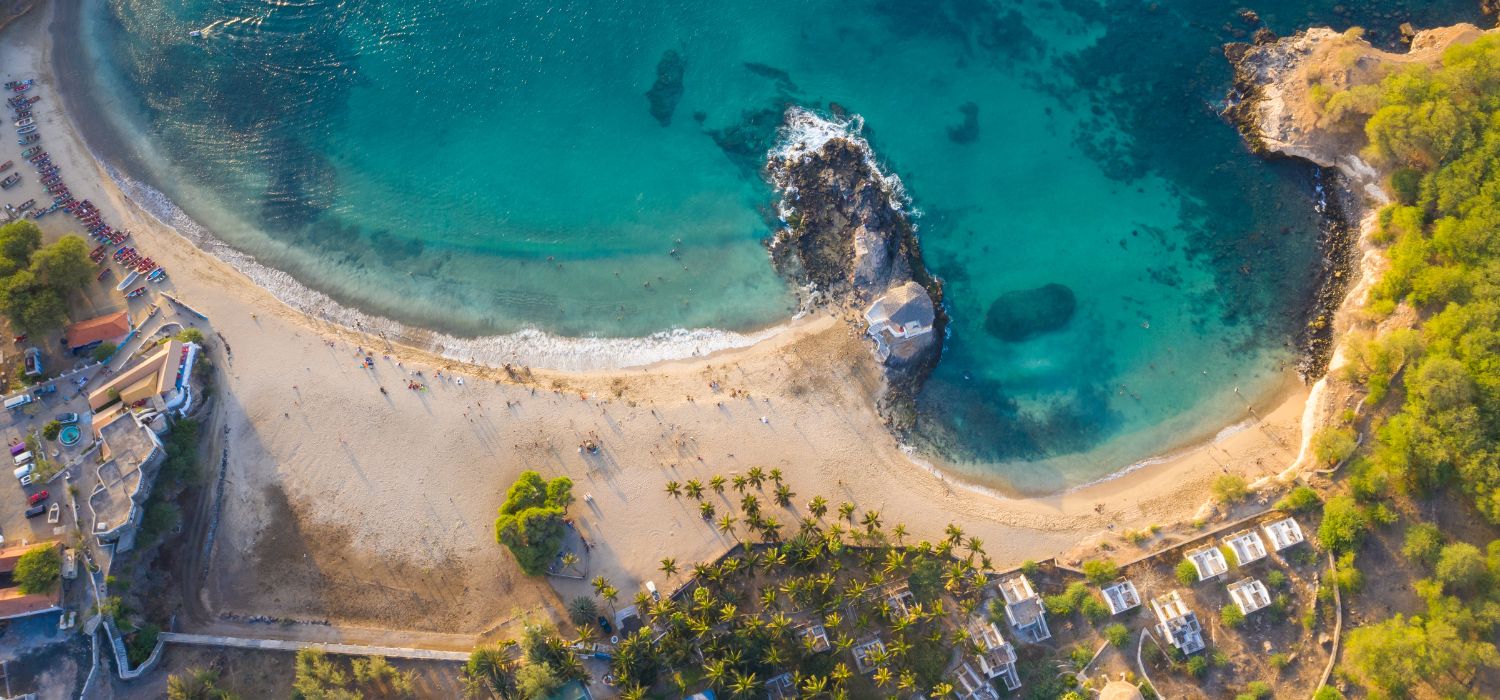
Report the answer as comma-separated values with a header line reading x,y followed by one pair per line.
x,y
36,498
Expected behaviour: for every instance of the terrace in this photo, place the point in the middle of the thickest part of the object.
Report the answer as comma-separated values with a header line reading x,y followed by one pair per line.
x,y
997,658
1247,547
1283,533
866,655
814,636
968,685
1177,623
1209,562
1121,596
1250,595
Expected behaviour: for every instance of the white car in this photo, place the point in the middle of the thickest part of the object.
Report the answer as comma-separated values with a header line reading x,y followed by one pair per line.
x,y
24,470
26,480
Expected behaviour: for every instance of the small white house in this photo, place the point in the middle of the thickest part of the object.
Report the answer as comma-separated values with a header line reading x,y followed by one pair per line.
x,y
1250,595
1023,609
1121,596
1247,547
969,685
863,652
1209,562
1283,533
997,658
1178,624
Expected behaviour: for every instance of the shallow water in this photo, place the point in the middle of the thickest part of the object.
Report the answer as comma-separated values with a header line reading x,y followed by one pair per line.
x,y
592,169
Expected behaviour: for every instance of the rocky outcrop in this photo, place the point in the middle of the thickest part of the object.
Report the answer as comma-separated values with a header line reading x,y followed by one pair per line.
x,y
666,92
849,239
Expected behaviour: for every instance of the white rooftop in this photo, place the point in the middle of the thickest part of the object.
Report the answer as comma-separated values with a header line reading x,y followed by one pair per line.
x,y
1178,624
1283,533
1121,596
1250,594
1247,547
1209,561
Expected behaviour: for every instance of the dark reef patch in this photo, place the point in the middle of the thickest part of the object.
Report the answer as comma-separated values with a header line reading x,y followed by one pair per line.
x,y
746,141
783,79
968,131
666,92
1026,313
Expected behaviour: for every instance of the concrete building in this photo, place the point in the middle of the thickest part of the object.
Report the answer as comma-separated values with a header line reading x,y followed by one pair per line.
x,y
160,382
1250,595
969,685
863,653
1283,533
1178,624
1023,609
997,658
1121,596
1209,562
1247,547
130,453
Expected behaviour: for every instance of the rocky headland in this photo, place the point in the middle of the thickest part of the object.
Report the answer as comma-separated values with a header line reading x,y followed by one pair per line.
x,y
850,241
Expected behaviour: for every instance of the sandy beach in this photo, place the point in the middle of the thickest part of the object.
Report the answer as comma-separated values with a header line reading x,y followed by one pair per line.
x,y
376,509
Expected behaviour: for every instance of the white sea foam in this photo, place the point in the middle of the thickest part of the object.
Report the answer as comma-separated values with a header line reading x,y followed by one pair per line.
x,y
804,132
530,347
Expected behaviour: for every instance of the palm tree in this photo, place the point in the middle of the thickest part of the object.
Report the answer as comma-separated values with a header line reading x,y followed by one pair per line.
x,y
899,532
633,692
813,686
775,475
715,670
871,521
693,488
750,504
739,483
942,689
716,483
846,511
783,495
817,506
907,680
882,677
743,685
955,533
674,489
570,561
726,524
840,673
600,583
757,476
488,670
196,684
706,510
669,567
610,594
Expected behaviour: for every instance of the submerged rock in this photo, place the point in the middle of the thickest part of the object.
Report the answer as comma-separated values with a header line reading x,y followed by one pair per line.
x,y
1026,313
968,131
666,92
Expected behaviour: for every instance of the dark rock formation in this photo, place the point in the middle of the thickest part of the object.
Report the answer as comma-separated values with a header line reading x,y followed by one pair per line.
x,y
968,131
1026,313
849,238
667,91
783,79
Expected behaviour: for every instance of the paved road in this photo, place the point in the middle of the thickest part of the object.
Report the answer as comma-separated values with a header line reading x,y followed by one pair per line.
x,y
336,648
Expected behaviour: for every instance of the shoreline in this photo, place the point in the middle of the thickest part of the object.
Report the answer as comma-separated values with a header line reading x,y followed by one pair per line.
x,y
806,408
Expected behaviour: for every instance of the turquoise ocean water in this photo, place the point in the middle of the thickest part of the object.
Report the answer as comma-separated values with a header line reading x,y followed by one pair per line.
x,y
593,169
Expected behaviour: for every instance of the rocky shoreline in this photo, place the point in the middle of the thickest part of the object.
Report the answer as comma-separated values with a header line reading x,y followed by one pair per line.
x,y
849,240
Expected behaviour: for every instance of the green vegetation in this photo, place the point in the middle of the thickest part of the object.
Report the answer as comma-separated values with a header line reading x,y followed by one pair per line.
x,y
1424,541
35,280
531,520
1255,690
141,642
1187,574
52,429
490,670
38,570
323,677
1300,500
1101,571
1333,445
1230,489
1117,634
1231,616
1344,524
103,351
191,335
196,683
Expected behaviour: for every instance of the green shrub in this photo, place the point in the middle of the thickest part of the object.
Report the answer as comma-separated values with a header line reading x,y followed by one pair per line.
x,y
1101,571
103,351
1117,634
1030,567
1093,609
1333,445
531,520
1255,690
1328,693
1230,489
1344,524
191,335
52,429
1300,500
1424,542
1197,666
1349,578
1279,660
38,570
1275,579
1187,574
1231,616
1460,567
1080,656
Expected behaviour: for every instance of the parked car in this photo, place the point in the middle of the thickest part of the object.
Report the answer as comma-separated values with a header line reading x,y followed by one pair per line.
x,y
34,511
604,625
67,417
37,497
49,389
26,480
24,470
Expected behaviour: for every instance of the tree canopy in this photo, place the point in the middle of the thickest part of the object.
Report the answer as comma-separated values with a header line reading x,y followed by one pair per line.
x,y
531,520
38,570
35,280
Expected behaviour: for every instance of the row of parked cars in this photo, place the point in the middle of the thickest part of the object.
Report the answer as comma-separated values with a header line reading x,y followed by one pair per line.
x,y
26,468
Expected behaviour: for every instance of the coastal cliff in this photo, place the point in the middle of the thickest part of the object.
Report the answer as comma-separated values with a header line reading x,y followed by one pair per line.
x,y
849,239
1281,104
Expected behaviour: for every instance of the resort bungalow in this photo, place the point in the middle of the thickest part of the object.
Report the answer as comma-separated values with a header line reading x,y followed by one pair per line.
x,y
814,637
1247,547
1178,624
84,336
781,687
1121,596
1023,608
1283,533
968,685
901,601
1250,594
866,653
997,658
1209,562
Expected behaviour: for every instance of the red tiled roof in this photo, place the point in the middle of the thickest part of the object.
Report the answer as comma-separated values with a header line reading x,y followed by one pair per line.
x,y
98,329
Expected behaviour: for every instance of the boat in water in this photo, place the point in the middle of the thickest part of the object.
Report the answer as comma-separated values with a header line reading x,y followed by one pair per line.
x,y
26,205
11,181
27,139
32,152
28,121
